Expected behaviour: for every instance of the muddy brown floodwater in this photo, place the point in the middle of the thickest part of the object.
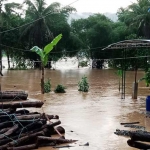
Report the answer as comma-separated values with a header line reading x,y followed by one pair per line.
x,y
94,116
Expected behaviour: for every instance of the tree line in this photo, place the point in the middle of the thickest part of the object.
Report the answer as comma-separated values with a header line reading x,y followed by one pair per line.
x,y
34,23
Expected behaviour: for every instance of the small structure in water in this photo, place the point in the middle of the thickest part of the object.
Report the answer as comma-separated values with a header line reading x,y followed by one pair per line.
x,y
98,63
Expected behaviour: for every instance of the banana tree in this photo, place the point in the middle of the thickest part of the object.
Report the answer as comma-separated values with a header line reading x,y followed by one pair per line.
x,y
146,78
44,56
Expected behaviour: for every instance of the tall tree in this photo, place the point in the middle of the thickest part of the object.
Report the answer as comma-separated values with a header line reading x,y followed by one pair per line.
x,y
50,21
137,16
7,16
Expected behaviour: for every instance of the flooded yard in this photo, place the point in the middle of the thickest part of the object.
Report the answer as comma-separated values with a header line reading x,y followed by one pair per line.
x,y
88,117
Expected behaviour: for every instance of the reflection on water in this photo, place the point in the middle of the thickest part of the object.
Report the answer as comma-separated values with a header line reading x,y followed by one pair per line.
x,y
94,116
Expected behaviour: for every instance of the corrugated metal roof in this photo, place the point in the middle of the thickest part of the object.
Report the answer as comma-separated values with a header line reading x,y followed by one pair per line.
x,y
126,44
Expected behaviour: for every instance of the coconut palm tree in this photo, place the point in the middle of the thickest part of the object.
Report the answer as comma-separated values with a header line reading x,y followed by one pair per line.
x,y
40,32
6,12
137,15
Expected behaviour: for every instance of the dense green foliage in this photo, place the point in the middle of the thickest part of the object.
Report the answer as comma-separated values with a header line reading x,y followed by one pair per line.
x,y
146,78
83,85
40,23
60,89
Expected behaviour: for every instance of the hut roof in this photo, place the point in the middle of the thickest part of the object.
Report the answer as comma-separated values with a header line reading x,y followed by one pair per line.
x,y
129,44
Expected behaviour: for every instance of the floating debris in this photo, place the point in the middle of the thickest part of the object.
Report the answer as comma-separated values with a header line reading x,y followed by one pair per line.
x,y
129,123
134,126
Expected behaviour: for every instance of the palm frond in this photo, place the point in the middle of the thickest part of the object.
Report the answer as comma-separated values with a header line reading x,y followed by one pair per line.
x,y
31,5
52,8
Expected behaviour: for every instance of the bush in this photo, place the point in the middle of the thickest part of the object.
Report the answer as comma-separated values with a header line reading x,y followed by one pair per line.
x,y
83,63
83,84
146,78
60,89
47,86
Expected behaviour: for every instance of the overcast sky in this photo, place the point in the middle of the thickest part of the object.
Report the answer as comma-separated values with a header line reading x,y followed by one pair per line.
x,y
95,6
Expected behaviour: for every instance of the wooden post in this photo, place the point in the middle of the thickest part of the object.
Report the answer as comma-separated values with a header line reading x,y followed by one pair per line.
x,y
134,90
135,84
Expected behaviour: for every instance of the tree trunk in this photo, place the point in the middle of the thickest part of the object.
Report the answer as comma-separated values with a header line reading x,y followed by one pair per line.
x,y
42,79
0,39
8,59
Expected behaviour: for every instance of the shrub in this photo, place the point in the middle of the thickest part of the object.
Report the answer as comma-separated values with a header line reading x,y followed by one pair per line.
x,y
83,63
146,78
60,89
83,85
47,86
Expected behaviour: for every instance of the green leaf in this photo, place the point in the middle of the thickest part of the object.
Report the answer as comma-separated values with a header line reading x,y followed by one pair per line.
x,y
50,46
37,50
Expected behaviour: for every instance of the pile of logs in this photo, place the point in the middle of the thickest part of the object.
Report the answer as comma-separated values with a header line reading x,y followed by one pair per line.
x,y
137,137
24,130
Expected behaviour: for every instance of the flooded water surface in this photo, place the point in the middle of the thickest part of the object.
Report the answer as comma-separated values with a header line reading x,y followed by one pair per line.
x,y
88,117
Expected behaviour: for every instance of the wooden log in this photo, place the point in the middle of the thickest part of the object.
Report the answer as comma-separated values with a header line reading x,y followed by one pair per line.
x,y
55,140
30,127
26,122
129,123
134,126
53,124
13,92
53,116
9,132
15,95
19,122
8,117
24,139
6,124
10,123
60,129
34,116
54,127
7,111
140,137
4,130
29,117
25,147
52,131
33,113
22,111
63,146
5,141
37,104
138,145
49,126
